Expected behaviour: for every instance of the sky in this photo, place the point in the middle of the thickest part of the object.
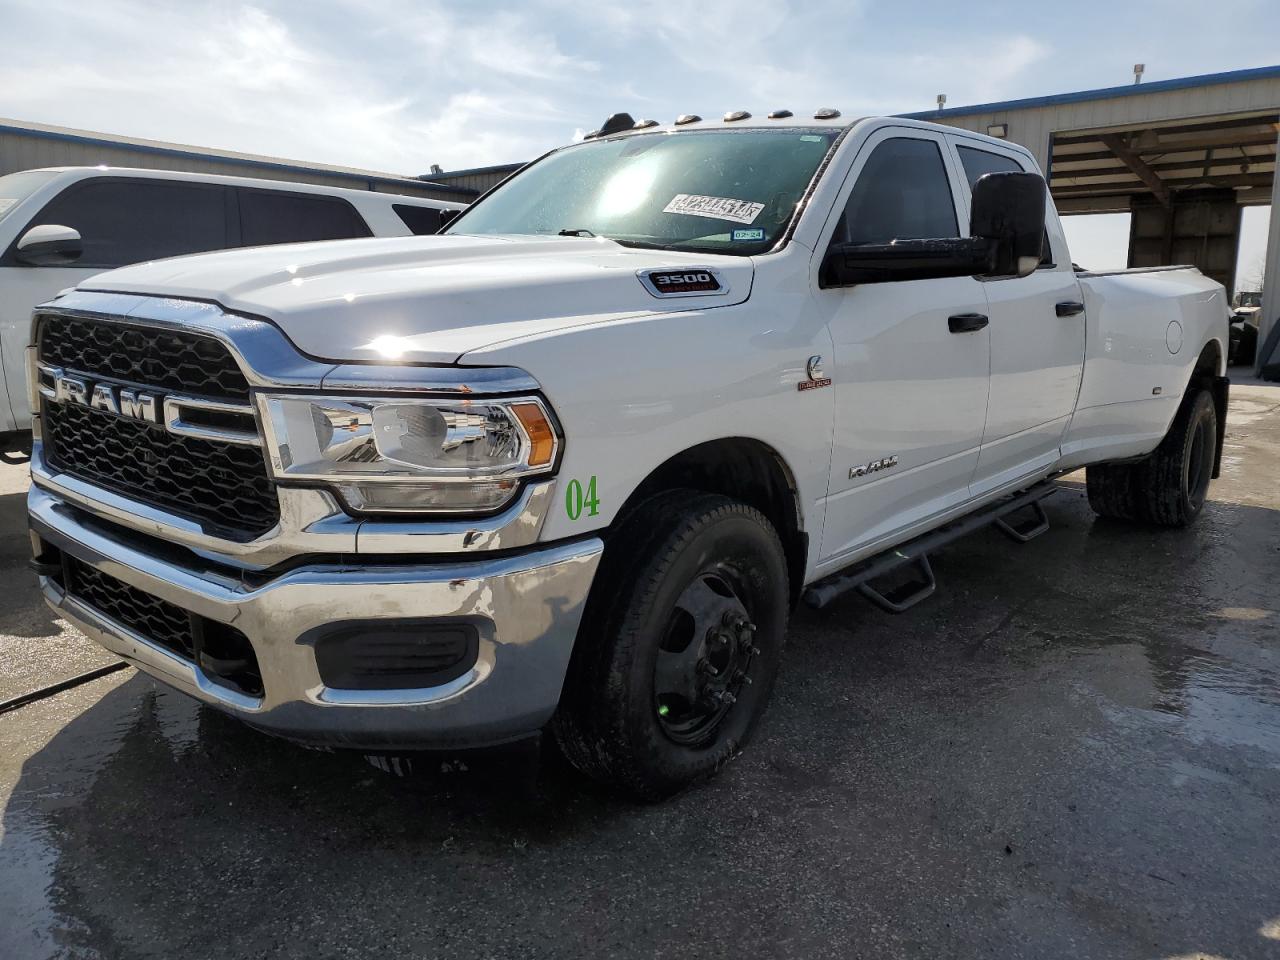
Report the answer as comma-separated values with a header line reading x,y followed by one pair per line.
x,y
397,85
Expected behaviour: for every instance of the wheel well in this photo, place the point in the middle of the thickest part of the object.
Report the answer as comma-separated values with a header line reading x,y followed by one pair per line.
x,y
1207,365
1204,376
746,470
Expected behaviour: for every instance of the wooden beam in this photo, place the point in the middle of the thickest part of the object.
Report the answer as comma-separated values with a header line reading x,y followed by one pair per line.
x,y
1136,164
1243,180
1172,127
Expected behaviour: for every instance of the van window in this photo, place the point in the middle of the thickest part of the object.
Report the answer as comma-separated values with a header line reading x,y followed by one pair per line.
x,y
978,163
129,221
16,187
275,216
902,193
419,220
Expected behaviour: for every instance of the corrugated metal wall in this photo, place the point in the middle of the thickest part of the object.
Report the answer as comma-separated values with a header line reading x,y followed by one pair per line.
x,y
1034,126
26,148
478,179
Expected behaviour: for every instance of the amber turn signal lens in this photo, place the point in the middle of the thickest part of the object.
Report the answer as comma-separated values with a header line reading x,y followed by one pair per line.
x,y
542,438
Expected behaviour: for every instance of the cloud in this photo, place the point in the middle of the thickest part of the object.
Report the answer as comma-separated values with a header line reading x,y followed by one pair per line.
x,y
400,84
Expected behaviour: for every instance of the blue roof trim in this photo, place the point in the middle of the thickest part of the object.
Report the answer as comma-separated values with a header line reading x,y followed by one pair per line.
x,y
1104,93
155,149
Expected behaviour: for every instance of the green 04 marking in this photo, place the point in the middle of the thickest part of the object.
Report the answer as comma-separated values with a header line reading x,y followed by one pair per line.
x,y
575,499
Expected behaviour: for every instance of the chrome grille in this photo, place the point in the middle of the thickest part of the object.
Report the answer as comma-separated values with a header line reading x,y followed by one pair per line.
x,y
220,485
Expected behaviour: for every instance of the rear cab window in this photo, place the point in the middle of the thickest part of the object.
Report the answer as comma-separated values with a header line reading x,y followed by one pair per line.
x,y
978,163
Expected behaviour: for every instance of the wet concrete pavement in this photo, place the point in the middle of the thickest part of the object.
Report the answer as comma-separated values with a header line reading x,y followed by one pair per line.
x,y
1073,750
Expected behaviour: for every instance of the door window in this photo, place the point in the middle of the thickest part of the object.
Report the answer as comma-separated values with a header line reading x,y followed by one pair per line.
x,y
902,193
978,163
276,216
129,221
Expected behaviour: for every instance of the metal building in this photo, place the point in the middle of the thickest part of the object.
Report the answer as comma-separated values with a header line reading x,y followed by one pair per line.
x,y
1182,156
476,180
25,146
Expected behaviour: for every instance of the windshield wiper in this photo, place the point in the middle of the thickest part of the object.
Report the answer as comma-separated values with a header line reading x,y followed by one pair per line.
x,y
575,232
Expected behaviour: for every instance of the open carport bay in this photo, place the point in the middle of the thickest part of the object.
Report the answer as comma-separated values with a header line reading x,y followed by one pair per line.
x,y
1073,750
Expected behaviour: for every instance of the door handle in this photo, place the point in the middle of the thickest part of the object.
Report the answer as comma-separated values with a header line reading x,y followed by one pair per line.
x,y
1069,308
966,322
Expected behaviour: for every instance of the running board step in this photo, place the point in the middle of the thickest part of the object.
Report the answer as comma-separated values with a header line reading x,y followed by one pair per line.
x,y
1023,532
904,596
862,576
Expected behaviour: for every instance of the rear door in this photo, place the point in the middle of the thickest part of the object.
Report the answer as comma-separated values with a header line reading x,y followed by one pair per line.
x,y
1037,355
121,221
911,396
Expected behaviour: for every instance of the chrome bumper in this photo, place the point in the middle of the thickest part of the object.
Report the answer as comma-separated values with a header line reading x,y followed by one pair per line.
x,y
529,606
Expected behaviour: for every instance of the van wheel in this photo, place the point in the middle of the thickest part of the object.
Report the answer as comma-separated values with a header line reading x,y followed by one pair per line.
x,y
679,644
1170,486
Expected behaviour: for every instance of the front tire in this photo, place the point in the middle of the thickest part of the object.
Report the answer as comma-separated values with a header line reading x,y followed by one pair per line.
x,y
1169,487
679,645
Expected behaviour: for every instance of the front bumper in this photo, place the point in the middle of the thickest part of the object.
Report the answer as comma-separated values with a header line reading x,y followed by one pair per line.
x,y
527,605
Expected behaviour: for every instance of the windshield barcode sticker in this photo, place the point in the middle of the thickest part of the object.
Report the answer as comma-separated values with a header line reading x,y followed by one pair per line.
x,y
717,208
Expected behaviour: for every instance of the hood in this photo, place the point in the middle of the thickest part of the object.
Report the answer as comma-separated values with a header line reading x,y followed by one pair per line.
x,y
426,299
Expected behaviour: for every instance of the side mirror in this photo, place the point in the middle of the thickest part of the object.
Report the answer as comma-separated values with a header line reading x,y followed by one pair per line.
x,y
49,245
1008,208
1007,226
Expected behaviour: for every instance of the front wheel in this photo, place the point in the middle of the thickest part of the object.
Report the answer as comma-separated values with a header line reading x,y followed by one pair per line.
x,y
1169,487
679,645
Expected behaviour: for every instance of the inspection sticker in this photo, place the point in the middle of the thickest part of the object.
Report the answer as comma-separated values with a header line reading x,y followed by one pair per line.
x,y
717,208
749,233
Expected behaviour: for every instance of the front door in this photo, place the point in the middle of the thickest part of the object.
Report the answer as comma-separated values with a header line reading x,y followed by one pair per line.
x,y
911,394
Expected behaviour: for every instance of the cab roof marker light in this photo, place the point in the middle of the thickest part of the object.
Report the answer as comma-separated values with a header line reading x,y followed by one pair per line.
x,y
733,115
644,124
780,114
687,118
826,113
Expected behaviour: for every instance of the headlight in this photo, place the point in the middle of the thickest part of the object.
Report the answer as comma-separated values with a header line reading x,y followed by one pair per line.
x,y
402,455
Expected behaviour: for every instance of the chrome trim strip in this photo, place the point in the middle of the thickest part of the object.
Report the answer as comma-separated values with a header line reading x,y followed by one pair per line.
x,y
465,381
174,423
311,521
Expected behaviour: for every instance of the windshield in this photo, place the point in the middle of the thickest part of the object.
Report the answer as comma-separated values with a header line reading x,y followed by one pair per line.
x,y
16,187
722,191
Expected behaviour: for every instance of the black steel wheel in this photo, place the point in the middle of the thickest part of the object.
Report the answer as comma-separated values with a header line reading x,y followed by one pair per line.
x,y
679,644
704,658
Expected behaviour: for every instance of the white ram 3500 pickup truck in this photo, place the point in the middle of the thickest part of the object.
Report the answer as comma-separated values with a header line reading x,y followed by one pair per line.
x,y
570,464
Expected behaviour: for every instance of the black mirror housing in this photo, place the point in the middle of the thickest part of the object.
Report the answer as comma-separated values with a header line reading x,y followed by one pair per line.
x,y
850,263
1008,209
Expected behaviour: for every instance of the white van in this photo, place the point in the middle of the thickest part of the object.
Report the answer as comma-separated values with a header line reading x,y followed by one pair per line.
x,y
59,226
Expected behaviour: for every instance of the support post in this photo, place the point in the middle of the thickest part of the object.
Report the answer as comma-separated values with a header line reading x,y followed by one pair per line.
x,y
1271,283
